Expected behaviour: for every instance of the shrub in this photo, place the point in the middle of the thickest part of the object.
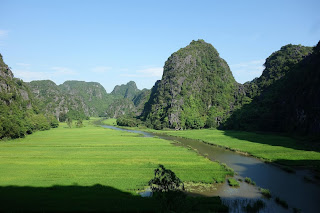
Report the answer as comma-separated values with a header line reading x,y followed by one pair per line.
x,y
165,180
265,192
232,182
79,123
69,122
127,121
249,181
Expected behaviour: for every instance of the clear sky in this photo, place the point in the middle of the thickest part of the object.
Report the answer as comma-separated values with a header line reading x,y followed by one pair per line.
x,y
113,42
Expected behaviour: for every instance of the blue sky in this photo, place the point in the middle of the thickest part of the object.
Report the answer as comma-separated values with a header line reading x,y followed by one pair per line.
x,y
113,42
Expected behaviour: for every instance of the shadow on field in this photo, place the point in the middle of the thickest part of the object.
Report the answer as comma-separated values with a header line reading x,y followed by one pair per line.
x,y
311,164
307,144
98,198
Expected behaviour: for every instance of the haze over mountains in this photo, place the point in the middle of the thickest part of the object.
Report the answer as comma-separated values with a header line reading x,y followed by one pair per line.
x,y
197,90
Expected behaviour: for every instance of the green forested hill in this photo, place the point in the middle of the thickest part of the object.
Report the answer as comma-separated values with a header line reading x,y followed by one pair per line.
x,y
128,90
128,100
92,94
286,96
52,100
80,99
197,90
277,65
75,99
19,114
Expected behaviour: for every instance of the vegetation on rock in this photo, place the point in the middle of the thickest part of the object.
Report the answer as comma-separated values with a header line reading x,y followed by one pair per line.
x,y
286,96
128,100
19,115
197,90
74,99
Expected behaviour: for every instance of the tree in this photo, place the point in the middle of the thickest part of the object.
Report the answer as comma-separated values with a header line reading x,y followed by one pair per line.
x,y
165,180
69,122
79,123
62,117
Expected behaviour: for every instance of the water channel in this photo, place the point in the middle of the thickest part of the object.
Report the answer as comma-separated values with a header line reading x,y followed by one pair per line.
x,y
291,187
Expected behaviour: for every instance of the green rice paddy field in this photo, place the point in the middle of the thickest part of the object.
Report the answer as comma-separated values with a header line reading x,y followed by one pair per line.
x,y
95,155
273,148
270,147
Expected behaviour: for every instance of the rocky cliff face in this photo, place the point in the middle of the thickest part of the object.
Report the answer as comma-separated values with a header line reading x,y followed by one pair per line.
x,y
128,100
52,100
77,99
19,113
197,89
128,90
10,86
286,96
92,94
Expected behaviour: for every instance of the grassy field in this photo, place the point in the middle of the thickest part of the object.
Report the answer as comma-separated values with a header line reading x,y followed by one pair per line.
x,y
274,148
95,155
110,122
97,169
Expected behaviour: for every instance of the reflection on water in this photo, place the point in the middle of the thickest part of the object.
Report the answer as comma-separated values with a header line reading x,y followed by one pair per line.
x,y
289,187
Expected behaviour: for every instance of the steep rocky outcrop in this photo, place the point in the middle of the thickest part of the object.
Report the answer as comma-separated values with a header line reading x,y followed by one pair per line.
x,y
128,90
19,115
128,100
76,99
286,96
197,89
52,100
92,94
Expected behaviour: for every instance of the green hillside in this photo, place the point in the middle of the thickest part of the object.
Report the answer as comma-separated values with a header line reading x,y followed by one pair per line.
x,y
19,114
286,96
197,90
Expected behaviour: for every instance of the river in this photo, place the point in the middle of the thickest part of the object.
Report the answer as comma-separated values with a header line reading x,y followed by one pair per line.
x,y
290,187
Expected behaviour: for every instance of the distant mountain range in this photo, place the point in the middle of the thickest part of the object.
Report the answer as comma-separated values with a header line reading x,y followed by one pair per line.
x,y
197,90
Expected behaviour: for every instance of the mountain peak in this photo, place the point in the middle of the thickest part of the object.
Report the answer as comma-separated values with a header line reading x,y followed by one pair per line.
x,y
194,80
128,90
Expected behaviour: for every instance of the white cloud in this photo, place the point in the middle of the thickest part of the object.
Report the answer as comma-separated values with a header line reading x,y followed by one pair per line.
x,y
23,65
146,73
28,76
56,74
63,71
3,33
130,75
151,72
101,69
124,69
246,71
248,64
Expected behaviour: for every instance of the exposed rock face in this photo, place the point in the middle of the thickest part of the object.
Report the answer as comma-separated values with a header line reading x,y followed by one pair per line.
x,y
121,107
78,99
129,100
18,112
128,90
197,87
93,95
52,100
12,88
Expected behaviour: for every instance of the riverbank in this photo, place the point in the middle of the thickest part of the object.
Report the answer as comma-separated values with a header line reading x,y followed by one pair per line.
x,y
295,189
280,150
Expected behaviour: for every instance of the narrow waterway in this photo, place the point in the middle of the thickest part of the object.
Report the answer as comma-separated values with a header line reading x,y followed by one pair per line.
x,y
290,187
